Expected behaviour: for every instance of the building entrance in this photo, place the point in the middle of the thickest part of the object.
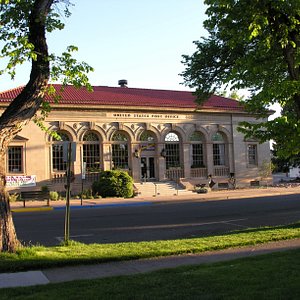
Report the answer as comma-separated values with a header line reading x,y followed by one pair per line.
x,y
147,168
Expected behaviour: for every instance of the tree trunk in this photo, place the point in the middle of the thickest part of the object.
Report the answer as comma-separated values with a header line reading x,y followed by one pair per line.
x,y
21,110
9,240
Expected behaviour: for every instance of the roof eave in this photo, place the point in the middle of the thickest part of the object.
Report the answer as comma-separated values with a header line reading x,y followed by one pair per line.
x,y
140,108
145,108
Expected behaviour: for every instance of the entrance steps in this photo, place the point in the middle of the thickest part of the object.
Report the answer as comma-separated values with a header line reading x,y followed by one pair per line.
x,y
166,188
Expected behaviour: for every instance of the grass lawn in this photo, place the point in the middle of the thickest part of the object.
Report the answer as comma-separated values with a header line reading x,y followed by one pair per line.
x,y
272,276
30,258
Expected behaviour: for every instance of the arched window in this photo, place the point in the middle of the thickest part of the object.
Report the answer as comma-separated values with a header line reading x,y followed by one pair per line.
x,y
172,151
91,151
218,137
58,163
120,150
147,136
147,139
197,154
219,149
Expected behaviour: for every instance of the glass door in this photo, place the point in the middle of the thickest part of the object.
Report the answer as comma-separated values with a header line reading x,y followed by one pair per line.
x,y
151,168
147,168
144,168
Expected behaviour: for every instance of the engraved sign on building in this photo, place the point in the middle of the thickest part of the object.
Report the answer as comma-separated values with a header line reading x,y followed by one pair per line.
x,y
118,115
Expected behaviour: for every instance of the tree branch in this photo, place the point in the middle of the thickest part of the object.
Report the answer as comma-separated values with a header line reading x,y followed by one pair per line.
x,y
26,104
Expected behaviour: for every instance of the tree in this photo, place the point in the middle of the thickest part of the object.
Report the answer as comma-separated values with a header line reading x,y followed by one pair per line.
x,y
283,164
253,45
234,94
24,24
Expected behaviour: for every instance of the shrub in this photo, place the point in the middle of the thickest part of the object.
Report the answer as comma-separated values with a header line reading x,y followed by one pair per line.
x,y
54,196
87,194
113,183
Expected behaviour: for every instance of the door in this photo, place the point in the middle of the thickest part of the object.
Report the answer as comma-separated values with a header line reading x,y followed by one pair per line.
x,y
144,167
151,167
147,168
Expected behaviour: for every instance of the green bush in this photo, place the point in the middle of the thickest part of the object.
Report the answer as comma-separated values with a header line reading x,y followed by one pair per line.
x,y
87,194
54,196
113,183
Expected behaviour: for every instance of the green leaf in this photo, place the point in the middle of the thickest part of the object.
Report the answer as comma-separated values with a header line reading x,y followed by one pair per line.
x,y
254,46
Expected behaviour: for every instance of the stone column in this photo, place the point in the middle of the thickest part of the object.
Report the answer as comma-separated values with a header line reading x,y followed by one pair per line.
x,y
135,162
209,158
187,160
106,157
77,163
161,163
230,158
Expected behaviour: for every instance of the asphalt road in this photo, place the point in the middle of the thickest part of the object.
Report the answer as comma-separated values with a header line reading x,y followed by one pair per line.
x,y
167,220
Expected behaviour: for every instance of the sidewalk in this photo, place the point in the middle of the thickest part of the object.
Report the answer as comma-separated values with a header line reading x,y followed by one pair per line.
x,y
105,202
42,277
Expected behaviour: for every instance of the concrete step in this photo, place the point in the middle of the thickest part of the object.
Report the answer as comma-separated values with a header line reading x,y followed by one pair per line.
x,y
168,188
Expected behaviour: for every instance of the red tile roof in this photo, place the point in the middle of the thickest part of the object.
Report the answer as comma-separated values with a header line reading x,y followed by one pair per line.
x,y
123,96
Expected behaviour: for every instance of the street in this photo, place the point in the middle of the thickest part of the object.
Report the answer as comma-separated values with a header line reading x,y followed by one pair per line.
x,y
167,220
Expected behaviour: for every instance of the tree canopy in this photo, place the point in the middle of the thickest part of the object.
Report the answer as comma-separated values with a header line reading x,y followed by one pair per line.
x,y
253,45
23,28
22,41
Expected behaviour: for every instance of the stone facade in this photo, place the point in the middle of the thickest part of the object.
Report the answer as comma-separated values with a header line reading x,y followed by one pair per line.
x,y
150,143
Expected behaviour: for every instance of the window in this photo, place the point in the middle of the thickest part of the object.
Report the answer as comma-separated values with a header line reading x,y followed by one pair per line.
x,y
120,151
147,136
14,159
219,149
119,137
147,141
172,150
196,140
252,154
219,154
57,153
218,137
91,152
197,156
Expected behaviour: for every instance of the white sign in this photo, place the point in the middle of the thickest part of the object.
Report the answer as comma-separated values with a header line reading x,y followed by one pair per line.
x,y
22,181
83,170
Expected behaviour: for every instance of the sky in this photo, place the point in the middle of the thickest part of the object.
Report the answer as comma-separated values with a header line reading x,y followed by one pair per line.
x,y
137,40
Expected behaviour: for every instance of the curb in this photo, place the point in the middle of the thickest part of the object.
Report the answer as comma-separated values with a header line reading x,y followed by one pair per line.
x,y
31,209
63,207
103,205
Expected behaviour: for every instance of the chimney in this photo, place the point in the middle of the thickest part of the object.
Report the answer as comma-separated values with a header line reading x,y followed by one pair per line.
x,y
122,83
